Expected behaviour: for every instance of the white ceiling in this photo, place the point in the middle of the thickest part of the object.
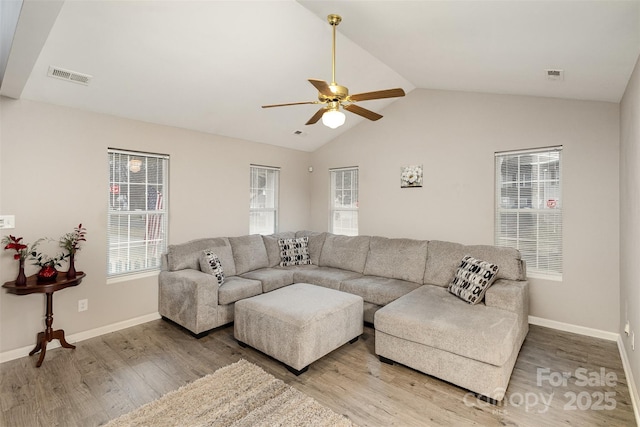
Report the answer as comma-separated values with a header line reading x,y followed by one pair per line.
x,y
210,65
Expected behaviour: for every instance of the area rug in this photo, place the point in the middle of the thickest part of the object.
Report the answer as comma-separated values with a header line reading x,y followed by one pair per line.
x,y
240,394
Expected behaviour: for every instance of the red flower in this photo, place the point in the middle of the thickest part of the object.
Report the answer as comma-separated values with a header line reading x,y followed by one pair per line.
x,y
13,242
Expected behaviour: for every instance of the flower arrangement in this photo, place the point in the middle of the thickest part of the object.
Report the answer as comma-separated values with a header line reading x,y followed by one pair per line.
x,y
71,241
12,242
42,260
411,176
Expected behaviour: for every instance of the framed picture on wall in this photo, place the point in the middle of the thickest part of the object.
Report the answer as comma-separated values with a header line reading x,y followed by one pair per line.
x,y
411,176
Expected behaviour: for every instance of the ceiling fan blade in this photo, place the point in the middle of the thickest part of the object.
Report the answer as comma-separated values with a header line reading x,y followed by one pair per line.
x,y
368,114
291,103
322,86
316,116
378,94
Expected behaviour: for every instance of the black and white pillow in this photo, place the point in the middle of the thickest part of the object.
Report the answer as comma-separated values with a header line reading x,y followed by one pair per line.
x,y
294,251
210,264
472,279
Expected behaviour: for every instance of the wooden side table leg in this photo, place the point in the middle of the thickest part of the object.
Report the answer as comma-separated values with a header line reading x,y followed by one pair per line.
x,y
59,335
42,353
38,346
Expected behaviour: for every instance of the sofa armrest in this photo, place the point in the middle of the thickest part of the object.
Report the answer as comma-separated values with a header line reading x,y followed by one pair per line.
x,y
510,295
190,298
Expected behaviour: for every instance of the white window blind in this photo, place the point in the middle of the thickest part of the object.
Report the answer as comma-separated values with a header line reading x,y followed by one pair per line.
x,y
344,201
529,208
137,216
263,199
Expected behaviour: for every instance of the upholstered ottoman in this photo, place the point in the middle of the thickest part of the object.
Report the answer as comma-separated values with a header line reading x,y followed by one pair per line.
x,y
298,324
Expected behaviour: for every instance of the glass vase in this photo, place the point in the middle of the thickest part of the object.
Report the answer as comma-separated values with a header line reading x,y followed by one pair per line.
x,y
47,273
21,280
71,272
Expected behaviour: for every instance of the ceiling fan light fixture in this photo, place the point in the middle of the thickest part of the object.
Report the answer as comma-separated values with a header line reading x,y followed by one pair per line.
x,y
333,96
333,119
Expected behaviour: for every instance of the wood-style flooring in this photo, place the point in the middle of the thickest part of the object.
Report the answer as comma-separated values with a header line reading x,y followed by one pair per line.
x,y
560,379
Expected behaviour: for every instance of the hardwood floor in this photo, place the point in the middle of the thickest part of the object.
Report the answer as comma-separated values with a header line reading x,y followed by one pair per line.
x,y
112,374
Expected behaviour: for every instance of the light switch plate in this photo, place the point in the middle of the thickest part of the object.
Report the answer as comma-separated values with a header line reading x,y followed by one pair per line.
x,y
7,221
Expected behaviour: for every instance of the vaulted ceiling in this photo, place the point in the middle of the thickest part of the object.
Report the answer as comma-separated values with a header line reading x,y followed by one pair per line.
x,y
210,65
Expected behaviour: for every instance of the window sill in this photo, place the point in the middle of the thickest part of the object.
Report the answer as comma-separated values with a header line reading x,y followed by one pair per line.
x,y
540,276
132,276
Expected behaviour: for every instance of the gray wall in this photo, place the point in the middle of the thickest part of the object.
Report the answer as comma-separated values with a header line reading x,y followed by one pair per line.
x,y
454,135
54,175
630,217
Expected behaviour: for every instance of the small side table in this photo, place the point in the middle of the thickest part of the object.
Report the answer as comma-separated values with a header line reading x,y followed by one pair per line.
x,y
48,288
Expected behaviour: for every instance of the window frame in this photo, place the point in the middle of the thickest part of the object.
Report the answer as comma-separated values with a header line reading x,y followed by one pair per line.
x,y
156,220
537,212
276,197
333,209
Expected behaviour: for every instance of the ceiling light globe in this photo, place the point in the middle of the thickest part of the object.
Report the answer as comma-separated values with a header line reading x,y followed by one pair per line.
x,y
333,119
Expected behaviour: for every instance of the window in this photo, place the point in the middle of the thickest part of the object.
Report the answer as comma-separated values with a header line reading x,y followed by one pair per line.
x,y
344,201
529,208
137,227
263,200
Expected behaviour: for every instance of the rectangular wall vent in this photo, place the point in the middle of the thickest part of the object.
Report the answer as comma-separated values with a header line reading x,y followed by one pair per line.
x,y
554,74
70,76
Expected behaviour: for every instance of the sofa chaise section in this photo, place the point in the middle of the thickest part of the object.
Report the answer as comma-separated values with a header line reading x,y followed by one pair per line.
x,y
433,331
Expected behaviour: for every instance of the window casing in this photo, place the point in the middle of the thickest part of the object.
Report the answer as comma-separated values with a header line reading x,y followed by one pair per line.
x,y
344,201
529,208
138,211
263,199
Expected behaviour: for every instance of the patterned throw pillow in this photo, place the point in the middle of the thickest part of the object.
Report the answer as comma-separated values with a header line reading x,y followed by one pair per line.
x,y
294,251
210,264
472,279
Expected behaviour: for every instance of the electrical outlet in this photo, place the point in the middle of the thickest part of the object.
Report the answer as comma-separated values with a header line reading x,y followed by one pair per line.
x,y
83,305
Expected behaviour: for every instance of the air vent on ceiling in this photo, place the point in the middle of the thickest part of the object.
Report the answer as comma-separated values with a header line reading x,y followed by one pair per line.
x,y
554,74
70,76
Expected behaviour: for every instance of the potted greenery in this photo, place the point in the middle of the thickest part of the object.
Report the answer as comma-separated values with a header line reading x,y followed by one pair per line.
x,y
47,264
71,243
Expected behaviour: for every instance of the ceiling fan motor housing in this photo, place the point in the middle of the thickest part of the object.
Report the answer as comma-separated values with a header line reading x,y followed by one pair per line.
x,y
339,93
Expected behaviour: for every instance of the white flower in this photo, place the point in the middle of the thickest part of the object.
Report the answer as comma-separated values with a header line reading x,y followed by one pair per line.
x,y
412,175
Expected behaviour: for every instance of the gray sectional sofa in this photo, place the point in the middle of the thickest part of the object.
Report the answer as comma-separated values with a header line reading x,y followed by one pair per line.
x,y
404,285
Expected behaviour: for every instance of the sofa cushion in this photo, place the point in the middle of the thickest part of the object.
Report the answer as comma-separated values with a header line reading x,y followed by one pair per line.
x,y
294,251
443,259
511,266
316,242
403,259
210,264
378,290
472,279
187,255
432,316
345,252
225,256
324,276
236,288
271,278
272,247
249,253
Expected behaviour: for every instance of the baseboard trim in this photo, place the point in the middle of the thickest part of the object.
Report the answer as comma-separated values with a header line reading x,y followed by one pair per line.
x,y
580,330
633,389
81,336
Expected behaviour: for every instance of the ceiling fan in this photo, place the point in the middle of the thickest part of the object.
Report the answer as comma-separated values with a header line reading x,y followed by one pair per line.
x,y
333,96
